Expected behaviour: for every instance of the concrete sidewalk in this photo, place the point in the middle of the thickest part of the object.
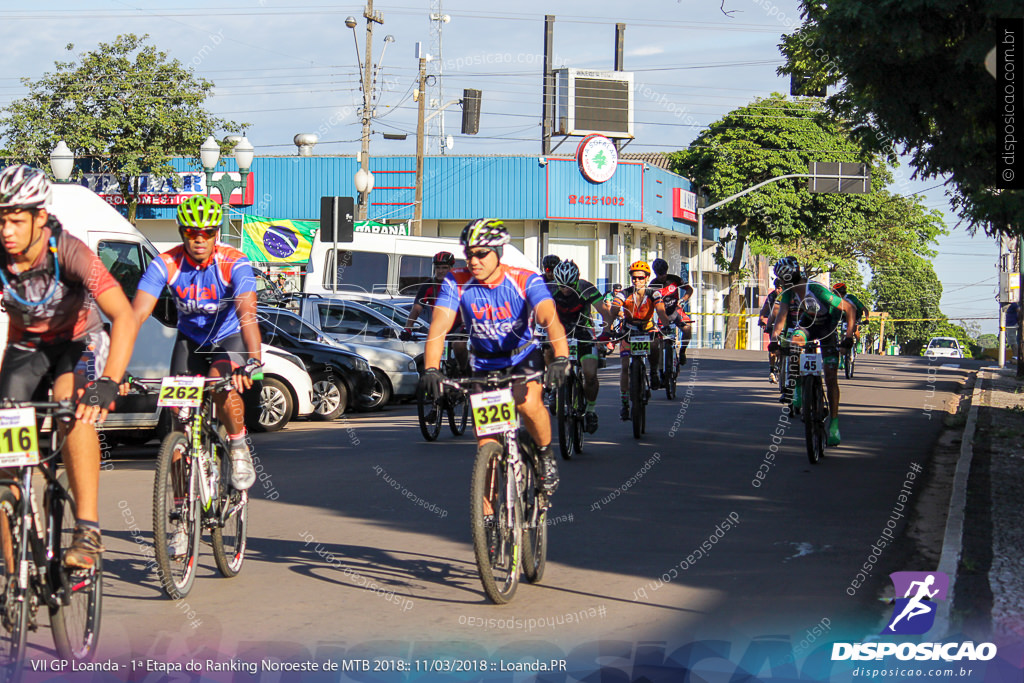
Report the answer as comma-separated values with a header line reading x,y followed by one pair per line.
x,y
990,576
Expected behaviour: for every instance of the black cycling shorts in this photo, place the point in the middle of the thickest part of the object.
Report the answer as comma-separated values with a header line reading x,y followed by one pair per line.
x,y
534,362
190,358
827,336
28,372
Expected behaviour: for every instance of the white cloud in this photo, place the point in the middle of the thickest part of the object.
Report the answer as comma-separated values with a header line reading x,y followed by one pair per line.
x,y
645,51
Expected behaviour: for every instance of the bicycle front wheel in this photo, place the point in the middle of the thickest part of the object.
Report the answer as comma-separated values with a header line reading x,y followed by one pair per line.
x,y
564,411
671,371
429,412
814,418
458,413
496,525
579,409
14,597
229,540
75,622
176,527
851,358
636,397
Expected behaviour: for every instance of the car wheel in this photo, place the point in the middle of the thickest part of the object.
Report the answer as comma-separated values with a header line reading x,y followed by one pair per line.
x,y
381,393
274,409
330,396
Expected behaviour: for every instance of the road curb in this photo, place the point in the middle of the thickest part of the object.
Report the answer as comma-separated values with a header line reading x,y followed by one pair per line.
x,y
952,540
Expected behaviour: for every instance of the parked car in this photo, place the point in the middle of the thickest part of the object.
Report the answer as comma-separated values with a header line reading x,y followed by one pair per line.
x,y
395,372
943,347
353,322
341,379
285,393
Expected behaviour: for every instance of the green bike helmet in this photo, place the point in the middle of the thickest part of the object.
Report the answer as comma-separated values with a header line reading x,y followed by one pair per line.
x,y
199,211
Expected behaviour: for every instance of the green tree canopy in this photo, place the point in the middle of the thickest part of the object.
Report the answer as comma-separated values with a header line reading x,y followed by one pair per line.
x,y
828,232
909,290
913,78
125,106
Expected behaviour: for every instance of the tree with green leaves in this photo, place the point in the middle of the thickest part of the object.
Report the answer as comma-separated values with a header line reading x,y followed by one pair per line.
x,y
913,79
908,289
773,137
125,107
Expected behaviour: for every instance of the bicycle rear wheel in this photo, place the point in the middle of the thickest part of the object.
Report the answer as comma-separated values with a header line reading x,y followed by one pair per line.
x,y
497,537
228,541
814,418
75,622
425,404
851,359
13,596
176,516
535,528
458,412
636,397
671,370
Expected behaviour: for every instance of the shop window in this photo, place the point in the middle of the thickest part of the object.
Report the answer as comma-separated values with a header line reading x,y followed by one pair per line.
x,y
357,270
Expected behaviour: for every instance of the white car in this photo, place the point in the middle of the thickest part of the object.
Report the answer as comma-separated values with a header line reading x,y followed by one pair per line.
x,y
943,347
287,391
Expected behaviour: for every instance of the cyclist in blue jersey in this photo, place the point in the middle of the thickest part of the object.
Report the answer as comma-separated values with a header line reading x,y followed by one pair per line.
x,y
215,292
498,303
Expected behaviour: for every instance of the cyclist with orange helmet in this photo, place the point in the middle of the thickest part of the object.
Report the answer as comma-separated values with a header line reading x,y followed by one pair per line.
x,y
637,304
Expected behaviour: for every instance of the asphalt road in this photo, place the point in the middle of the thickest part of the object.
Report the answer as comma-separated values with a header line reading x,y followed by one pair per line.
x,y
359,543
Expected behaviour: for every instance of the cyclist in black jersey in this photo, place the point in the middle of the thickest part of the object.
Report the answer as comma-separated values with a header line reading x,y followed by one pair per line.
x,y
766,321
548,264
573,300
674,293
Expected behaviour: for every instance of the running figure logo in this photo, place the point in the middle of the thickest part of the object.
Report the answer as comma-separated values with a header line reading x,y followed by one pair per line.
x,y
914,613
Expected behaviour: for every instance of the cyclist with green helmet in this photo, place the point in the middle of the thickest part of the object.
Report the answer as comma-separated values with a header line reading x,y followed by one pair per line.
x,y
54,288
214,290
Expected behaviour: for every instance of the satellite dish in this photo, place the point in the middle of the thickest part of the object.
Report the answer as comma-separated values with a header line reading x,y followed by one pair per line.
x,y
449,142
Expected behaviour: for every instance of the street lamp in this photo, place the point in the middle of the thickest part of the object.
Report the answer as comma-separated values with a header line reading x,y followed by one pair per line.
x,y
209,155
62,162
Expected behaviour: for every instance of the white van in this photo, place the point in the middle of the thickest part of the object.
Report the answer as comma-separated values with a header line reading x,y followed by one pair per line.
x,y
126,253
392,265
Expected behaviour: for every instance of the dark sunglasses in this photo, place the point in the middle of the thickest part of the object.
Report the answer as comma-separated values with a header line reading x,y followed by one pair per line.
x,y
637,277
194,233
480,254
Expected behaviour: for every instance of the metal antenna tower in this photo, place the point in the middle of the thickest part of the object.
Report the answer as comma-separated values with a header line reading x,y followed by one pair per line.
x,y
435,74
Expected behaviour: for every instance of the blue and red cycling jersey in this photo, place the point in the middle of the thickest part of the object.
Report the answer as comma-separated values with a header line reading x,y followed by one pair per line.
x,y
204,294
497,317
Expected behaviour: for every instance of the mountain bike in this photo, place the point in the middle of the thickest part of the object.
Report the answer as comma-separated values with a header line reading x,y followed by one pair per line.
x,y
815,404
508,511
669,359
430,410
639,370
571,405
848,357
192,489
32,571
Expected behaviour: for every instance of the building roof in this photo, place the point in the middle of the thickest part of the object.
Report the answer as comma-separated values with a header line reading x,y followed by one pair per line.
x,y
656,159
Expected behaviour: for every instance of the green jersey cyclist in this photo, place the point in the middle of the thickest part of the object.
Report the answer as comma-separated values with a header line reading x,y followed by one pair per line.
x,y
821,309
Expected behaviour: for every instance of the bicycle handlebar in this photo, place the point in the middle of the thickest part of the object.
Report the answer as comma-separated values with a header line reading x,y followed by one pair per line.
x,y
493,379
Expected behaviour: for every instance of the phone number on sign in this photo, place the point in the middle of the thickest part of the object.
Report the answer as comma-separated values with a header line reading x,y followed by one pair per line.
x,y
594,199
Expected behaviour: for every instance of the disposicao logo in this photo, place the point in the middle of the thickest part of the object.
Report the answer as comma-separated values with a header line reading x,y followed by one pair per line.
x,y
914,613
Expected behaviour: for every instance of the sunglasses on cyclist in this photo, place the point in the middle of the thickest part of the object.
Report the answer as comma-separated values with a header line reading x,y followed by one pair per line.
x,y
637,277
195,233
480,254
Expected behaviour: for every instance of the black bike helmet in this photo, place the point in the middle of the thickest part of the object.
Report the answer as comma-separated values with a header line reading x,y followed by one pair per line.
x,y
549,262
444,258
659,266
788,270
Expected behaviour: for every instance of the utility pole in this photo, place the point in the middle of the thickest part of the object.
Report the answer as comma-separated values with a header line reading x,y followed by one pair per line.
x,y
548,104
420,128
362,210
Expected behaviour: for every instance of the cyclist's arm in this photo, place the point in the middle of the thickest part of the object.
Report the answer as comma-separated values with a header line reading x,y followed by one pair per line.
x,y
548,317
850,312
440,324
780,320
414,314
245,305
142,306
123,330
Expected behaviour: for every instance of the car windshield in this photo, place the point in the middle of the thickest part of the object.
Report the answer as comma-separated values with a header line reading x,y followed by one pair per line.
x,y
943,344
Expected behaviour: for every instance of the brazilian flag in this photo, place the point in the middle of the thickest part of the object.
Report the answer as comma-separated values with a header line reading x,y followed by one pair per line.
x,y
277,240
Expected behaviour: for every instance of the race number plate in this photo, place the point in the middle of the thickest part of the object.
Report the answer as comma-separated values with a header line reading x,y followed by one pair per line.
x,y
811,364
574,352
640,345
540,334
19,445
494,412
181,392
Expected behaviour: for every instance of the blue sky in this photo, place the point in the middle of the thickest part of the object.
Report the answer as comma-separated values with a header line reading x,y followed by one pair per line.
x,y
290,67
